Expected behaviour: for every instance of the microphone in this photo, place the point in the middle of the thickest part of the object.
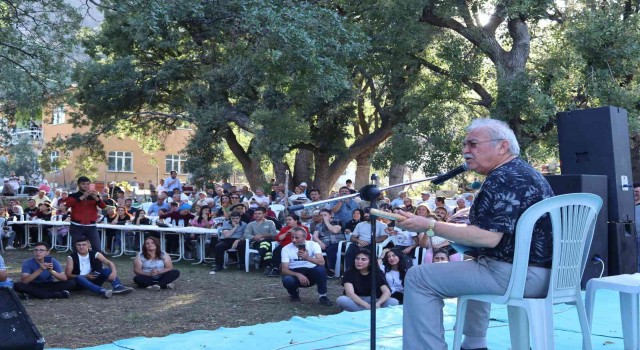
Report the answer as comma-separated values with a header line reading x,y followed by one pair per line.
x,y
296,207
451,173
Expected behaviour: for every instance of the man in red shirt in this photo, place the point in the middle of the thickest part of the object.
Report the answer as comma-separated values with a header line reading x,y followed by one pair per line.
x,y
84,213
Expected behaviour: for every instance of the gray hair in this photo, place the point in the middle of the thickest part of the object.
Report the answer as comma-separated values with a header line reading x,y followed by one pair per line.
x,y
498,130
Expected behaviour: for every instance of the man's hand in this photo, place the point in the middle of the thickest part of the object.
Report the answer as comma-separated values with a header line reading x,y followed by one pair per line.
x,y
235,244
322,245
413,222
303,280
112,276
362,243
303,254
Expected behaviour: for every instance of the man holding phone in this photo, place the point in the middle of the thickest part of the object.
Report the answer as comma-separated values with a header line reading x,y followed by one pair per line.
x,y
84,212
303,266
42,276
90,269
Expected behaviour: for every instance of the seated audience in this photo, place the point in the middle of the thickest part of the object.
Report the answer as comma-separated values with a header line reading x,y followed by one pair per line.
x,y
328,234
284,237
90,269
5,231
357,286
394,268
403,241
361,236
231,234
160,203
460,204
440,256
356,217
5,281
260,233
154,268
42,276
59,233
302,265
408,205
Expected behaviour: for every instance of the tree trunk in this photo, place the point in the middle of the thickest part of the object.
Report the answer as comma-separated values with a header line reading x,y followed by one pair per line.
x,y
324,179
303,168
280,168
363,169
396,176
250,166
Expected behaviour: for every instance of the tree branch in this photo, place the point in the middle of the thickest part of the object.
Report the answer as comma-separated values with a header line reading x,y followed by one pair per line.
x,y
486,100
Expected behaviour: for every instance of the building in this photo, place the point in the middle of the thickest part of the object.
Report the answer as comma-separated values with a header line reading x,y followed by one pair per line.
x,y
125,158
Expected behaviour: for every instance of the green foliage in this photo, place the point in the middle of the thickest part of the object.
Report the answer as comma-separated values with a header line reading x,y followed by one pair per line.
x,y
37,40
20,158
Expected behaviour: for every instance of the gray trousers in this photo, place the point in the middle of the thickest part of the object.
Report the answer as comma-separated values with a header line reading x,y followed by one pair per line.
x,y
425,287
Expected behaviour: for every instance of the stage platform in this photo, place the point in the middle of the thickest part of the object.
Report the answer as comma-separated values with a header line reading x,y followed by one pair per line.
x,y
351,331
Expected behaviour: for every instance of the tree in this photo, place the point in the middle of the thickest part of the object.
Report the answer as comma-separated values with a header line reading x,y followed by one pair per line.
x,y
37,43
22,159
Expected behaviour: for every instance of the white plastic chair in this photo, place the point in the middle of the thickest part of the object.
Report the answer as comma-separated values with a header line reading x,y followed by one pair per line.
x,y
248,251
573,218
277,209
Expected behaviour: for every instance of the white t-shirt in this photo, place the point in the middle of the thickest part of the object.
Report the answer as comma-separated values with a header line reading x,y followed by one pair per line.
x,y
363,230
403,238
258,200
290,255
85,264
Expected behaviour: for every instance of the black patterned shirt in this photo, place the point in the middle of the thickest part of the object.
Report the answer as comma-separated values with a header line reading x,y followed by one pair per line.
x,y
506,193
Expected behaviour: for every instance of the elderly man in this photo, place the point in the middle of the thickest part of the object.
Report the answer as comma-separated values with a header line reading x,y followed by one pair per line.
x,y
154,209
490,148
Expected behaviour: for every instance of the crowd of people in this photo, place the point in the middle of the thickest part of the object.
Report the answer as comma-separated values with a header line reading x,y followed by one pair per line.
x,y
244,220
309,240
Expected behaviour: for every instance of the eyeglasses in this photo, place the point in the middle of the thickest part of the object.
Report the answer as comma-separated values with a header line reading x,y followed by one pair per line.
x,y
40,250
474,144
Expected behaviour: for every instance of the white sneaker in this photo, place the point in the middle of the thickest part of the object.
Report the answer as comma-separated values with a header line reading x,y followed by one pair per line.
x,y
10,247
154,287
170,286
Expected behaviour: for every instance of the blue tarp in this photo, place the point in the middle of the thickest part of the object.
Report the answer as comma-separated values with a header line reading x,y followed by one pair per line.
x,y
351,331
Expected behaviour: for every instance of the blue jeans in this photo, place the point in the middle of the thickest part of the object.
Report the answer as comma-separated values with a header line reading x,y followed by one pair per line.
x,y
316,275
95,286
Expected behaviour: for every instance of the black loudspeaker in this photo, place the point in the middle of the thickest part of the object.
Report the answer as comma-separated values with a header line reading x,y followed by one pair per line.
x,y
17,331
596,142
623,249
596,184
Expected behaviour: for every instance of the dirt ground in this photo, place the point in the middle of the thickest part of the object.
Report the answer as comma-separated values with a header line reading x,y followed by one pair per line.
x,y
231,298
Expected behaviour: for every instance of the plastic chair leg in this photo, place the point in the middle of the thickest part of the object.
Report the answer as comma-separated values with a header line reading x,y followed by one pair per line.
x,y
459,327
541,325
584,323
589,299
629,315
518,327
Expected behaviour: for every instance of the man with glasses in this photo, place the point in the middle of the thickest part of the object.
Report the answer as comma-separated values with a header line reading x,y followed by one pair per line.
x,y
43,277
511,187
232,233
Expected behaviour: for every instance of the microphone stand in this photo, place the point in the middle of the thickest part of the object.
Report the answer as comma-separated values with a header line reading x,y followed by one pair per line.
x,y
370,193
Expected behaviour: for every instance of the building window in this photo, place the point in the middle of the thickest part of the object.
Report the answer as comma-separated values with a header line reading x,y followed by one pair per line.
x,y
120,161
174,162
58,115
53,157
